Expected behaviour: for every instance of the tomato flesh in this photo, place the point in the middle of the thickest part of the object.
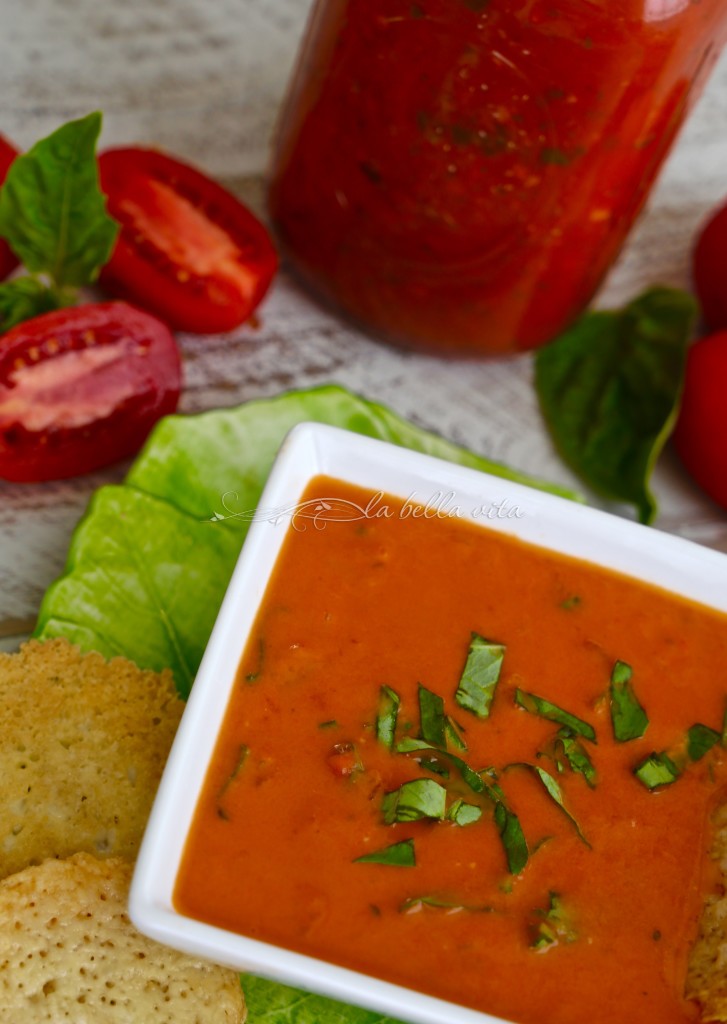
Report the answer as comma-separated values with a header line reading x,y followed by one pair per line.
x,y
81,388
700,436
8,259
188,250
710,270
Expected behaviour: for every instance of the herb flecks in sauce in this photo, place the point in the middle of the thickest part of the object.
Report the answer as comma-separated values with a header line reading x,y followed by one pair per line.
x,y
546,709
552,926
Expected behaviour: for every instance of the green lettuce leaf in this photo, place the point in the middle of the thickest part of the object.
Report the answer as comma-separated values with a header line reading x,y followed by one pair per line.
x,y
142,580
609,390
270,1003
147,570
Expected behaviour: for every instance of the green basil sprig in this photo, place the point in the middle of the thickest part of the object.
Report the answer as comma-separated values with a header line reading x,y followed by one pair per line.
x,y
53,216
609,391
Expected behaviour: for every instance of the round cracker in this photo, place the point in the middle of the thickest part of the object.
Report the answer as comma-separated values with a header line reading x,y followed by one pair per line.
x,y
68,952
85,743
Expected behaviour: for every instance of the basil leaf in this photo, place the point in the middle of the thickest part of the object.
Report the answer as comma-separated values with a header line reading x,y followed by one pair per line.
x,y
657,770
441,903
23,298
433,719
513,840
422,798
242,755
554,792
554,926
387,715
700,740
52,211
434,765
577,756
401,855
135,606
479,678
475,782
609,389
454,734
545,709
462,813
628,717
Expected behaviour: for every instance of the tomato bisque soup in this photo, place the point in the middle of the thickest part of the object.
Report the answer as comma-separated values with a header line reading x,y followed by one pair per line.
x,y
470,766
458,175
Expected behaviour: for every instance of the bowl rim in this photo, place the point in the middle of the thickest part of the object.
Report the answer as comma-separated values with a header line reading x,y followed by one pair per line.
x,y
309,450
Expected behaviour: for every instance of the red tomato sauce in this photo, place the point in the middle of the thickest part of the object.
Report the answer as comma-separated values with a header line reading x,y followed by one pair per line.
x,y
458,175
294,791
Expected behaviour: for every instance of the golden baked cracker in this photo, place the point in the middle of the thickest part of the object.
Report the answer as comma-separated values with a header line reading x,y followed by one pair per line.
x,y
68,952
707,970
84,744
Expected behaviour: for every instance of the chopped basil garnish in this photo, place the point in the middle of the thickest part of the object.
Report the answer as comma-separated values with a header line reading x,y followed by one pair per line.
x,y
657,770
432,717
330,724
628,717
513,840
462,813
434,765
574,601
252,677
454,734
400,855
554,792
471,777
422,798
442,903
479,677
576,755
545,709
387,714
700,740
242,754
553,925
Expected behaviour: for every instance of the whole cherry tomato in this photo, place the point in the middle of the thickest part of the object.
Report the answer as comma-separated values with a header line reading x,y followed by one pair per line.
x,y
700,436
188,250
710,269
8,260
81,388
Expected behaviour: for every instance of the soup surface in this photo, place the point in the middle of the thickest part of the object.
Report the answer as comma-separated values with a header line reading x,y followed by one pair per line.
x,y
469,766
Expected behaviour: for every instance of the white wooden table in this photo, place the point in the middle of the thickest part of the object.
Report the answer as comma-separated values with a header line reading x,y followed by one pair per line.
x,y
205,78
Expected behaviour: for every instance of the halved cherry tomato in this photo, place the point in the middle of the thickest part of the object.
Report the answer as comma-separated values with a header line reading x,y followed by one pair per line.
x,y
709,264
700,436
8,259
81,388
188,250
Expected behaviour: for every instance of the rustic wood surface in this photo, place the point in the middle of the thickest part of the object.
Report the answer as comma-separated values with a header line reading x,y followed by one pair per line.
x,y
205,80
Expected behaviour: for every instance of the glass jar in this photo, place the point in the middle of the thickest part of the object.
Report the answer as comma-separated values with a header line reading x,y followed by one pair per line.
x,y
458,175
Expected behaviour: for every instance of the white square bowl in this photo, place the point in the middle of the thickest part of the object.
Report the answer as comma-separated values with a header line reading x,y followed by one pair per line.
x,y
310,450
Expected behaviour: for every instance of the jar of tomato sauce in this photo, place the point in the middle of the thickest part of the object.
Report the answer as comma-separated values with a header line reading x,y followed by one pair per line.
x,y
458,175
